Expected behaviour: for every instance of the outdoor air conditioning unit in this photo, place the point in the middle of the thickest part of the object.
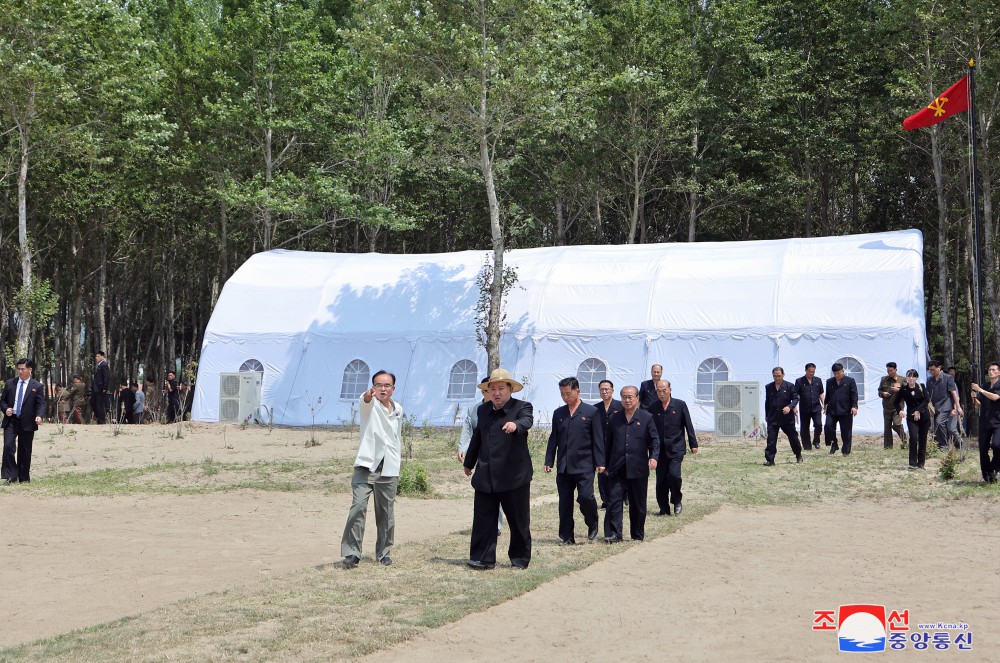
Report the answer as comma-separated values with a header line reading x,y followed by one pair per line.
x,y
239,396
737,409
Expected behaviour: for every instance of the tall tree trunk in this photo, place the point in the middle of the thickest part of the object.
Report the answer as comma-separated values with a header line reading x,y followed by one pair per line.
x,y
636,200
694,199
560,223
598,221
25,316
102,298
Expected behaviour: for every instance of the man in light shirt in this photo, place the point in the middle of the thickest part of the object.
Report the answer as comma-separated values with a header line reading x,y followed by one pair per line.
x,y
376,469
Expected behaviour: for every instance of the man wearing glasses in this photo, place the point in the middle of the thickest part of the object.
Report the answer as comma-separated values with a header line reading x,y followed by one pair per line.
x,y
376,468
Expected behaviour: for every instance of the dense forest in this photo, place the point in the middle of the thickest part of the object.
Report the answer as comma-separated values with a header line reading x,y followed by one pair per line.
x,y
149,147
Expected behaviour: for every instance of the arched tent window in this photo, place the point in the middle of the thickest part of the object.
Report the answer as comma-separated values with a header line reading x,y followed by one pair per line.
x,y
710,371
252,365
356,377
590,373
463,381
854,369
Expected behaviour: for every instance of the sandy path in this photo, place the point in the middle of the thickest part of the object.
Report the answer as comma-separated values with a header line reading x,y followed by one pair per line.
x,y
742,585
75,562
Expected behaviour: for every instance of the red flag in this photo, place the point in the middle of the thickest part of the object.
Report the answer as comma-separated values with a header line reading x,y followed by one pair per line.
x,y
954,100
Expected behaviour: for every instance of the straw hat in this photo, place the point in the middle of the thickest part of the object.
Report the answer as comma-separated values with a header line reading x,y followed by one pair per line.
x,y
502,375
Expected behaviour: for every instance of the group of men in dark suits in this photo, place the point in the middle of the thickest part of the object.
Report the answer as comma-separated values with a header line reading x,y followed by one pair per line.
x,y
807,396
622,443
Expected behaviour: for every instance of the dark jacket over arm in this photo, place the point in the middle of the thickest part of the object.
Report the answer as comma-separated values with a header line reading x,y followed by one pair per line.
x,y
577,441
502,460
631,444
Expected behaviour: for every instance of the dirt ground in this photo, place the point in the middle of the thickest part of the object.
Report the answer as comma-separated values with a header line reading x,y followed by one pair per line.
x,y
741,584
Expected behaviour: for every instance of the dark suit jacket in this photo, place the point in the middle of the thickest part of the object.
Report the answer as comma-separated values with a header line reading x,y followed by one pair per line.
x,y
502,460
32,403
631,444
775,400
647,394
809,394
840,399
102,378
126,404
578,441
671,426
605,414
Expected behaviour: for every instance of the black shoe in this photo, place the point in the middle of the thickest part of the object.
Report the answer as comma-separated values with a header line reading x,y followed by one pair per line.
x,y
887,446
833,449
567,542
798,458
386,561
914,467
519,565
769,463
678,508
479,566
592,532
637,538
351,561
612,539
807,447
663,512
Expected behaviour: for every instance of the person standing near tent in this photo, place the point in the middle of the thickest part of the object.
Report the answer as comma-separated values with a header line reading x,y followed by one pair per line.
x,y
577,439
673,421
607,406
139,409
988,401
100,397
173,397
647,389
841,407
888,387
376,469
944,398
780,400
631,452
499,462
810,392
918,419
468,427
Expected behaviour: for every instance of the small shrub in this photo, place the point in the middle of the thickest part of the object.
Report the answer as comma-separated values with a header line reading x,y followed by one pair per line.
x,y
413,480
949,463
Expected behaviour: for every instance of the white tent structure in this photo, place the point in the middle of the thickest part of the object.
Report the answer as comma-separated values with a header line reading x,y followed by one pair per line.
x,y
319,325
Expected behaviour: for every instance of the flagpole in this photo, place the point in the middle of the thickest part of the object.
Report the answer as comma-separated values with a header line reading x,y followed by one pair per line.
x,y
977,369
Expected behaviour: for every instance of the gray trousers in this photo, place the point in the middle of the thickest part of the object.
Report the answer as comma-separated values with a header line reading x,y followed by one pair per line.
x,y
362,485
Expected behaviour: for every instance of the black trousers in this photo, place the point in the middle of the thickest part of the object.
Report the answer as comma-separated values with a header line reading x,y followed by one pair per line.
x,y
619,486
581,485
99,404
602,488
918,438
989,438
889,427
846,422
16,468
173,410
485,512
805,418
668,482
787,426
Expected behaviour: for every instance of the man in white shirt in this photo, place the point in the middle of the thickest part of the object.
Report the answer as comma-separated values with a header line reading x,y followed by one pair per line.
x,y
376,468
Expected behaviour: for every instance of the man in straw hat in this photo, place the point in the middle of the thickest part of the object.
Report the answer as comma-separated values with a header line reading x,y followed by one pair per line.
x,y
500,457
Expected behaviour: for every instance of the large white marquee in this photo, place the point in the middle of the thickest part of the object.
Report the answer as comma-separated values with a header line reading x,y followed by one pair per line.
x,y
320,324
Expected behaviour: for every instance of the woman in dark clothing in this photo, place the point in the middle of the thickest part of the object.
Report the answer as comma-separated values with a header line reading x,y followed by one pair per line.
x,y
918,420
